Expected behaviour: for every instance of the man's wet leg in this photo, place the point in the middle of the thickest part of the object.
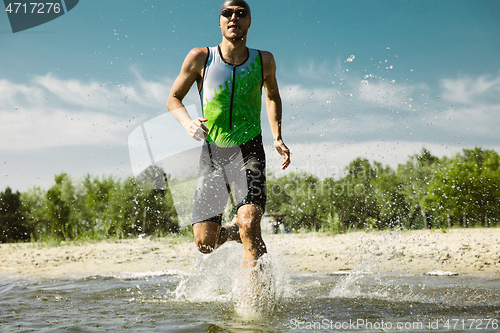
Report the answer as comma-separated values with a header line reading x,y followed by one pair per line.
x,y
249,217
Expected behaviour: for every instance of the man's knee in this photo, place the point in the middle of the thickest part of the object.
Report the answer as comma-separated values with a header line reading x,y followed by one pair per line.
x,y
205,247
249,217
249,229
206,235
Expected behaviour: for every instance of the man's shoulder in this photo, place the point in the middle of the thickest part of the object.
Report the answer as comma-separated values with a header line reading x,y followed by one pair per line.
x,y
266,56
267,53
198,53
267,59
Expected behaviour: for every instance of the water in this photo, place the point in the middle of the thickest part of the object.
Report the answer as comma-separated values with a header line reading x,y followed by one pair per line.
x,y
213,298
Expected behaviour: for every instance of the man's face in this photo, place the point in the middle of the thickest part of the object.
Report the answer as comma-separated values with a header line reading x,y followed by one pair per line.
x,y
234,26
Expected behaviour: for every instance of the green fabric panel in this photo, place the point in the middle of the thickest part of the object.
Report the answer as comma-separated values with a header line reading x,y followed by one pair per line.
x,y
246,109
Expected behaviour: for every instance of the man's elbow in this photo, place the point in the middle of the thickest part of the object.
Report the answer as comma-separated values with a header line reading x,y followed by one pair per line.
x,y
172,101
273,95
169,104
274,99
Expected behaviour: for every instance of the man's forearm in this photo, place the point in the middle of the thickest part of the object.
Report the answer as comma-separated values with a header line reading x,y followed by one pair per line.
x,y
177,109
274,113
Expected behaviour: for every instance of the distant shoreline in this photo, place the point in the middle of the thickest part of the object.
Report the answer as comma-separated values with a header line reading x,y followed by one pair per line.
x,y
475,250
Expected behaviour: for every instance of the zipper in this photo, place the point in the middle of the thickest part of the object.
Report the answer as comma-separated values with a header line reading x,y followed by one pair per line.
x,y
232,99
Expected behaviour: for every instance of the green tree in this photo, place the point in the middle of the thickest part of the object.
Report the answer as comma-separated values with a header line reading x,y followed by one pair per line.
x,y
337,201
58,211
13,226
465,189
35,205
414,178
94,210
327,201
134,209
64,209
276,194
354,195
296,195
391,205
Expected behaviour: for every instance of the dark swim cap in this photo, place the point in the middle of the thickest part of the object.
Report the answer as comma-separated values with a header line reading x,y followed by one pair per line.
x,y
239,3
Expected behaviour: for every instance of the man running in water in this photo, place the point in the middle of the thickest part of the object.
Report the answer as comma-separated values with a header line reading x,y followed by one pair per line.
x,y
230,78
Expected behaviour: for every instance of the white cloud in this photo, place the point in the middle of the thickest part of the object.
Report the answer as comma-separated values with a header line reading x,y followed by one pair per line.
x,y
74,92
37,128
48,111
299,94
51,125
313,71
473,105
355,112
390,94
472,90
326,127
148,93
14,95
478,120
329,159
461,110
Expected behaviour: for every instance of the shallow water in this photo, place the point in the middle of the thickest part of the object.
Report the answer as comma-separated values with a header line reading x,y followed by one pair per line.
x,y
209,300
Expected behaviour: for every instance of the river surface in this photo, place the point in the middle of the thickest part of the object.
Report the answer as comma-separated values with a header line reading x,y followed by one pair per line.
x,y
213,298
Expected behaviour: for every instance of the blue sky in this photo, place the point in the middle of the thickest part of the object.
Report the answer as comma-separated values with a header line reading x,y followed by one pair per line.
x,y
372,79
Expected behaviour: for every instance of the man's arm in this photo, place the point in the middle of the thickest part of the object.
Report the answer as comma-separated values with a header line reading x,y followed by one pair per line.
x,y
191,72
273,105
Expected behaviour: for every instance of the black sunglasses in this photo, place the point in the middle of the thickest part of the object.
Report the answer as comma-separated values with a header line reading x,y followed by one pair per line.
x,y
239,13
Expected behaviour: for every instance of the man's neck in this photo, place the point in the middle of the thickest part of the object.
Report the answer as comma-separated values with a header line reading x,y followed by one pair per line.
x,y
234,52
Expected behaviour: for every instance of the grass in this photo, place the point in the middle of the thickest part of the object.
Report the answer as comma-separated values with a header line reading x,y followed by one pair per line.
x,y
186,235
44,241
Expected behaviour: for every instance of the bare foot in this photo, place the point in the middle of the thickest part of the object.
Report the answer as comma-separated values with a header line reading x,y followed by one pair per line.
x,y
233,231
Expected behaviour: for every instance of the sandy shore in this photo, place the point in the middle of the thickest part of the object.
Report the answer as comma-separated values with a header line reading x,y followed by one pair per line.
x,y
458,250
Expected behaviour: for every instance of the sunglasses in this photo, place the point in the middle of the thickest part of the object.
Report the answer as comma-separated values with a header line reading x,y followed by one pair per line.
x,y
239,13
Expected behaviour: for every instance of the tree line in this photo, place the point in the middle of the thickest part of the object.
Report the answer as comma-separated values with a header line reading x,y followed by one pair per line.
x,y
91,208
425,192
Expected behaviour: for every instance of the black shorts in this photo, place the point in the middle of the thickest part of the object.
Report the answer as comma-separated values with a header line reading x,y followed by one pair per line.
x,y
239,170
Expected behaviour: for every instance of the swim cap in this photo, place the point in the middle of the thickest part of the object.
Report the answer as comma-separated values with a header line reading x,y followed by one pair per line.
x,y
239,3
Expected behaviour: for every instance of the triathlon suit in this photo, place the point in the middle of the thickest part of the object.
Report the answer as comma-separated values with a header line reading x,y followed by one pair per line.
x,y
232,158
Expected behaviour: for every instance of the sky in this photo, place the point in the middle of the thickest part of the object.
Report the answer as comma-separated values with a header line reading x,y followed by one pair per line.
x,y
370,79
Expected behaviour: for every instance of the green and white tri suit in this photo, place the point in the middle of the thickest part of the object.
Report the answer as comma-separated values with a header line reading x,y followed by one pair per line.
x,y
232,153
231,98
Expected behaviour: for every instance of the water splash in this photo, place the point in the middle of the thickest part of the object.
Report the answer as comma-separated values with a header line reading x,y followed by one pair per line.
x,y
350,284
212,276
219,277
259,292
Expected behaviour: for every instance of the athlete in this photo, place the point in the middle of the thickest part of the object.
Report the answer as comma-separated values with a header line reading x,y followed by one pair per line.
x,y
230,78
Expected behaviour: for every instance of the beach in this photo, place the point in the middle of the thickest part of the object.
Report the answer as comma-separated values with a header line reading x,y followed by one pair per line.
x,y
457,251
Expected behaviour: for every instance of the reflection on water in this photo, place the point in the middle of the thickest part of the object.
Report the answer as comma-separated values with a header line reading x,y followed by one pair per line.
x,y
208,300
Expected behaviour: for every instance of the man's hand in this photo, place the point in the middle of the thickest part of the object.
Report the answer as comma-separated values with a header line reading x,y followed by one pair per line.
x,y
197,129
283,151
